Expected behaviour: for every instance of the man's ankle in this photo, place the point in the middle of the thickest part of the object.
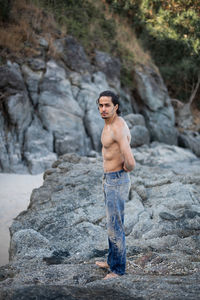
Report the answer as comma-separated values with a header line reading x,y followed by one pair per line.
x,y
102,264
111,275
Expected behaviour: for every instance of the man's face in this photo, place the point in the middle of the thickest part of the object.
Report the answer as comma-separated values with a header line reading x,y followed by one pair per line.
x,y
106,107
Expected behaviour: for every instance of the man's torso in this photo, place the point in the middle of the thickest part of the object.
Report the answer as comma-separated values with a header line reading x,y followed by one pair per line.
x,y
112,157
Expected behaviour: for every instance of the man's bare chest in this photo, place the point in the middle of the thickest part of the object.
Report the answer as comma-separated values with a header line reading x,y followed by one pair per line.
x,y
107,138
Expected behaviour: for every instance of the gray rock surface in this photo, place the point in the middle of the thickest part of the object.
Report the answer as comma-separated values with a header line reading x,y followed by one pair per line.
x,y
139,136
60,112
155,105
32,80
38,147
16,116
73,54
48,107
56,241
111,66
191,140
139,132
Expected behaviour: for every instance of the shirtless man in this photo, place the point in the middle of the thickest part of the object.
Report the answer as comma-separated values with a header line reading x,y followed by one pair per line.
x,y
118,160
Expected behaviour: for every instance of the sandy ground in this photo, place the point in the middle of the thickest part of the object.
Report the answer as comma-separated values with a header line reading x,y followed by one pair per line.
x,y
15,191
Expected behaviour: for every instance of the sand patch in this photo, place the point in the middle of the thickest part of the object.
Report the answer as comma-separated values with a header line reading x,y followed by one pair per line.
x,y
15,192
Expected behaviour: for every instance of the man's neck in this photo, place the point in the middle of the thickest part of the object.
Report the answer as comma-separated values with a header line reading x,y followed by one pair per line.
x,y
110,120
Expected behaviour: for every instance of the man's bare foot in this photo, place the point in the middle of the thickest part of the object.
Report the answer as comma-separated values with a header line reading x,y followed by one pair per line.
x,y
102,264
111,275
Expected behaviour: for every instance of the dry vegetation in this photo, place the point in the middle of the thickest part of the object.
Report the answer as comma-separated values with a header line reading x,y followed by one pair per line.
x,y
28,21
19,36
125,35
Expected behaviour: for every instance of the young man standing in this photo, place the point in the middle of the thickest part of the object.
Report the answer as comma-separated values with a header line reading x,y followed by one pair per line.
x,y
118,160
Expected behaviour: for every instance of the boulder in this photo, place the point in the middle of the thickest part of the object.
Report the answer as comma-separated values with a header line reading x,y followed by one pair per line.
x,y
191,140
4,155
60,112
36,64
73,54
183,114
139,132
110,66
134,119
154,103
168,157
16,116
139,136
87,97
11,78
32,80
38,147
125,102
28,242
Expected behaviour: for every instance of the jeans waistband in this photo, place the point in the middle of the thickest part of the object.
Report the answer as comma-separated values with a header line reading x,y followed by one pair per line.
x,y
113,175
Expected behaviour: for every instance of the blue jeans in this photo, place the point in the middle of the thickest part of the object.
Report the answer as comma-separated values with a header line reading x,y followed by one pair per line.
x,y
116,189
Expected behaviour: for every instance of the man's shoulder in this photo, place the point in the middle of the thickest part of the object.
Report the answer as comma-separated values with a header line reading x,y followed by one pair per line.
x,y
119,123
119,127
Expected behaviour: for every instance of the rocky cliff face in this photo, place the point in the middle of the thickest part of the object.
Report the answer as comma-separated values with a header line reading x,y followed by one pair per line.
x,y
48,107
56,241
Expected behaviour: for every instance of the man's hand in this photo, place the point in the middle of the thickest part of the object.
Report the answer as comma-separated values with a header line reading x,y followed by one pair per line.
x,y
125,169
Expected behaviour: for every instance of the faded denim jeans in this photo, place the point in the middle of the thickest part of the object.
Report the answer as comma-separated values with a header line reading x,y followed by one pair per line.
x,y
116,187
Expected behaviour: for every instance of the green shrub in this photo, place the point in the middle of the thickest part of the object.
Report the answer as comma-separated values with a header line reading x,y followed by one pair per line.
x,y
170,30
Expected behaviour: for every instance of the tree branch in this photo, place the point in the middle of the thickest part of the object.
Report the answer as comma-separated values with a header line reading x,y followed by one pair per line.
x,y
195,90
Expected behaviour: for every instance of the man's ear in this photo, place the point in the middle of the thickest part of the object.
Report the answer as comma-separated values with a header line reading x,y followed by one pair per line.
x,y
116,107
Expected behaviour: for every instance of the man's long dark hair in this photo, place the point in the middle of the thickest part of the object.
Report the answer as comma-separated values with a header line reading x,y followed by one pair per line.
x,y
114,97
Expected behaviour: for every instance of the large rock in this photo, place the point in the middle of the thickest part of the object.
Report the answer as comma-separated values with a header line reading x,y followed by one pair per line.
x,y
32,80
26,145
38,147
191,140
73,54
60,112
17,106
36,64
16,116
183,114
4,155
56,241
111,66
139,132
11,78
155,105
87,97
31,242
139,136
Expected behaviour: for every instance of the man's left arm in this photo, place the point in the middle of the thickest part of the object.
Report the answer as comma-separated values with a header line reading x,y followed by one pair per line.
x,y
124,145
129,161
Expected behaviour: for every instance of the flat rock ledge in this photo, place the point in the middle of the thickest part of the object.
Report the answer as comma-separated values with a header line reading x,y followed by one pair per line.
x,y
56,241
